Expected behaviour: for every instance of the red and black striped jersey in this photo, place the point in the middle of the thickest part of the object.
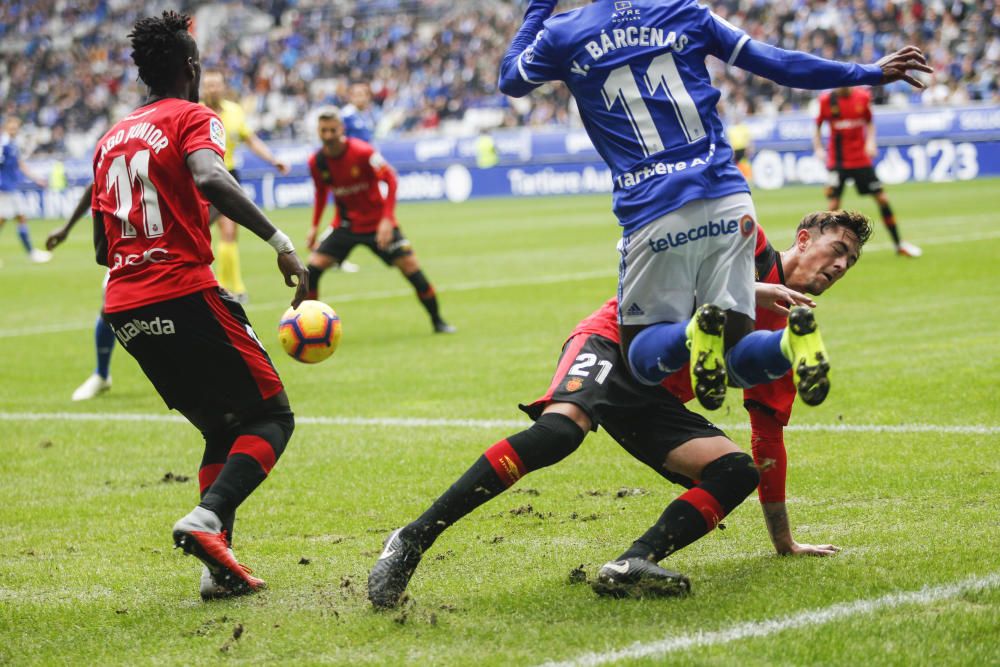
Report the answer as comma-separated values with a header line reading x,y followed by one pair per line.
x,y
353,179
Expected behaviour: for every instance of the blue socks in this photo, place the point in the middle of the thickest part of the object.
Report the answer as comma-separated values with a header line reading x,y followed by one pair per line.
x,y
757,359
22,233
104,341
659,350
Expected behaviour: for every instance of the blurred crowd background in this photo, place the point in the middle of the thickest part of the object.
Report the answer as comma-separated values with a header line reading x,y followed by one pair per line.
x,y
432,65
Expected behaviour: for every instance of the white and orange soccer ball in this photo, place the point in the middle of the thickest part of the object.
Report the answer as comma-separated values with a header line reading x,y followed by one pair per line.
x,y
309,333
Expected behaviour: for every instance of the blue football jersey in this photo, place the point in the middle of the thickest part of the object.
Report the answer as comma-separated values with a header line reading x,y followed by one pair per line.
x,y
637,70
10,169
358,124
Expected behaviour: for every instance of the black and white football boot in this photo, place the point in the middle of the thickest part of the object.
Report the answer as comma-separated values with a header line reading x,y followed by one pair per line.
x,y
639,578
393,569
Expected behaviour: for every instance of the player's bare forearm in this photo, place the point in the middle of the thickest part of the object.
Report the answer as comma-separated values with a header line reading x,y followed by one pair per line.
x,y
871,143
818,140
224,193
319,201
40,182
776,518
82,206
100,240
383,234
260,149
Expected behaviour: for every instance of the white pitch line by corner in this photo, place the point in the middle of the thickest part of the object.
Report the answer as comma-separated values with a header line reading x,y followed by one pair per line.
x,y
810,617
421,422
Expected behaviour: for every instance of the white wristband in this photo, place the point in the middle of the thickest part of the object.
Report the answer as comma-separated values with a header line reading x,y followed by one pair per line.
x,y
280,242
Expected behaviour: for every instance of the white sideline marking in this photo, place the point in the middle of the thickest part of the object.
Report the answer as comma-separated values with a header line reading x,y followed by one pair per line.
x,y
755,629
971,429
465,287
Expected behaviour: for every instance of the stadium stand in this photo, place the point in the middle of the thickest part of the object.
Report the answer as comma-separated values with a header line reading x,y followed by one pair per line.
x,y
432,64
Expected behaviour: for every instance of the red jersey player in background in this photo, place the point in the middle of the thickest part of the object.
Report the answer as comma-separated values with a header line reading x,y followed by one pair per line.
x,y
155,174
851,150
592,387
351,170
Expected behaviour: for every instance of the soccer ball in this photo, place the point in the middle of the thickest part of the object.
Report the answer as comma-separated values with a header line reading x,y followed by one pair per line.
x,y
309,333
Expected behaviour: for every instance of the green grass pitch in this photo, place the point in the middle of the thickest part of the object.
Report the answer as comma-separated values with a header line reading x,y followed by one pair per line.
x,y
88,576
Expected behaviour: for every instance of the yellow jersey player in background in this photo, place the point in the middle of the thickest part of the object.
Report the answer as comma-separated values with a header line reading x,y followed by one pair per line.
x,y
213,87
741,140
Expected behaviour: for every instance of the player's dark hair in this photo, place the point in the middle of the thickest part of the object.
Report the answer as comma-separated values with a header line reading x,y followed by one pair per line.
x,y
160,47
857,223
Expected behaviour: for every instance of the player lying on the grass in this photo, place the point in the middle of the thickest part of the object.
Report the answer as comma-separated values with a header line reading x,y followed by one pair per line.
x,y
591,387
99,381
638,74
352,170
155,172
826,246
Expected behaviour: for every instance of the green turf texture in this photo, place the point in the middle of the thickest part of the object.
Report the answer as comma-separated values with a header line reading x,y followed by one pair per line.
x,y
88,575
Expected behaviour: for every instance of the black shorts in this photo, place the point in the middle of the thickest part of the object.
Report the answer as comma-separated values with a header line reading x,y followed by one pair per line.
x,y
338,243
865,181
648,422
199,351
235,174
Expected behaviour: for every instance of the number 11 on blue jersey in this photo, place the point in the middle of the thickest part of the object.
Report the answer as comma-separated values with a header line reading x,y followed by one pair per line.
x,y
621,85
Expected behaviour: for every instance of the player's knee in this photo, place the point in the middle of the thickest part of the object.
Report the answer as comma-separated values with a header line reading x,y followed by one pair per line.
x,y
321,261
731,478
409,265
418,280
275,428
644,362
217,445
549,440
285,421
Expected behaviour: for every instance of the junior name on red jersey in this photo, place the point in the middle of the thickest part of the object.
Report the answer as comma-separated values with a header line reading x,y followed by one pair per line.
x,y
353,178
155,219
849,117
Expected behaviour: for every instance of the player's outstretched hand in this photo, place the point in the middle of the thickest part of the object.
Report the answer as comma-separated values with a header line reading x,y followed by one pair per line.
x,y
282,167
55,238
770,297
797,549
897,66
295,275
